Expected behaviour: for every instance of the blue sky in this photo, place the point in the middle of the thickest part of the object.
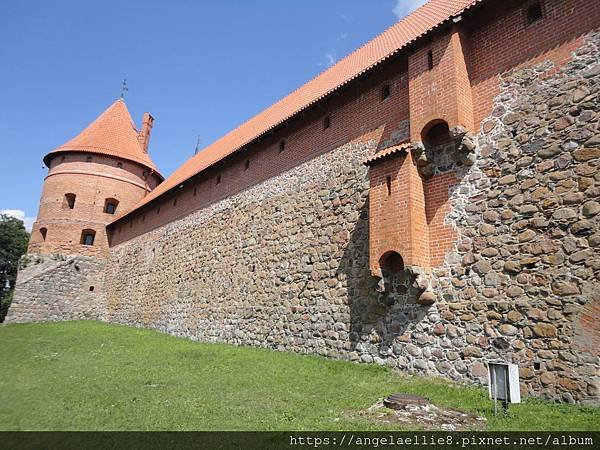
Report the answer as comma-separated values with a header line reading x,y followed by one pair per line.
x,y
200,67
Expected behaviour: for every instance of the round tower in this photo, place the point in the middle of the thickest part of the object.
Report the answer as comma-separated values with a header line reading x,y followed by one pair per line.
x,y
103,172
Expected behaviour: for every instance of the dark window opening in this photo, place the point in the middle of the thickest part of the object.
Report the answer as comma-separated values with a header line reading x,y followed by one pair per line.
x,y
62,159
281,146
158,211
145,175
534,13
195,191
110,205
435,133
120,165
88,159
430,59
326,122
391,262
388,182
144,218
175,201
87,237
91,288
69,201
43,232
218,179
385,92
536,365
246,165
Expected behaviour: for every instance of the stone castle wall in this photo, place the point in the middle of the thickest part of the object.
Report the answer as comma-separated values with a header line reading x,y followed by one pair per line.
x,y
271,247
55,288
284,264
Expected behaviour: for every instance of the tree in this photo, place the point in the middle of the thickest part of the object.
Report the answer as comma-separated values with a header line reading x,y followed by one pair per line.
x,y
13,244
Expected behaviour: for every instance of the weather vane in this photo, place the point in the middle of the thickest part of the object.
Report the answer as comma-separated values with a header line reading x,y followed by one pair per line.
x,y
198,142
124,88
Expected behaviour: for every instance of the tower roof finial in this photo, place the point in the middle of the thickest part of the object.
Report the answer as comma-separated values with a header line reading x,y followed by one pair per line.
x,y
124,88
198,142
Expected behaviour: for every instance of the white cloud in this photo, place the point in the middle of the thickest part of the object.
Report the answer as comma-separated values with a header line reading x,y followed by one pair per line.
x,y
19,214
342,37
329,59
404,7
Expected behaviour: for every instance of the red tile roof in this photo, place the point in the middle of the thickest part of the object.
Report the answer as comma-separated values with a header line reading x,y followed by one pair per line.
x,y
112,133
395,38
404,147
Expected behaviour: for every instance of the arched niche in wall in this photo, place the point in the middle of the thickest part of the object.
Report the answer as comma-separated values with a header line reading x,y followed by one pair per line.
x,y
443,148
394,278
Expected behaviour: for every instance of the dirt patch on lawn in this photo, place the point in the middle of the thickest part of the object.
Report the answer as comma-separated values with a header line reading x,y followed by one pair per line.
x,y
422,417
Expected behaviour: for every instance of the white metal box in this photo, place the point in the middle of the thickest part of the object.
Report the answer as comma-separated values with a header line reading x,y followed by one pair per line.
x,y
503,382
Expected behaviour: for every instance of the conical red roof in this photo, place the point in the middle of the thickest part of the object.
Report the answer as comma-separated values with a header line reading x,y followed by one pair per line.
x,y
112,133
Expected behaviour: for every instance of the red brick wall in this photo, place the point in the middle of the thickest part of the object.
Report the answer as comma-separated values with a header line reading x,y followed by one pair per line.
x,y
468,58
441,235
357,114
92,183
586,336
397,220
442,92
500,39
459,89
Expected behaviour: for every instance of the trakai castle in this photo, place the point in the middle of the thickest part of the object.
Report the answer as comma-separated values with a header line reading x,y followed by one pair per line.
x,y
429,203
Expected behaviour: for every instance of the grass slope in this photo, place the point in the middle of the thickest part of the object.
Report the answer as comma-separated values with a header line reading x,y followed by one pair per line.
x,y
95,376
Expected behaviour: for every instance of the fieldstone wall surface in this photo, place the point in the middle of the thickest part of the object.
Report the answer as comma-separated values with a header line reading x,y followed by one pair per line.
x,y
285,264
523,282
55,288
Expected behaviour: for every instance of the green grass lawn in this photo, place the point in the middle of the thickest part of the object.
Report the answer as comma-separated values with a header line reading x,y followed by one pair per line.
x,y
94,376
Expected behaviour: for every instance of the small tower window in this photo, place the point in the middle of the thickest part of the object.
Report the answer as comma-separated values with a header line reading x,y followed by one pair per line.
x,y
385,92
175,201
281,146
119,165
145,175
195,191
326,122
43,232
69,202
388,183
88,159
110,205
534,13
87,237
430,59
246,165
218,179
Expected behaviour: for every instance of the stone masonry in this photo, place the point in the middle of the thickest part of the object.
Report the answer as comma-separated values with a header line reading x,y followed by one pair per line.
x,y
54,288
285,263
502,215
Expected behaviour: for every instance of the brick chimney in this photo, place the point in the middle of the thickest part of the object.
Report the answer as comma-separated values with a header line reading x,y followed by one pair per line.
x,y
144,133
